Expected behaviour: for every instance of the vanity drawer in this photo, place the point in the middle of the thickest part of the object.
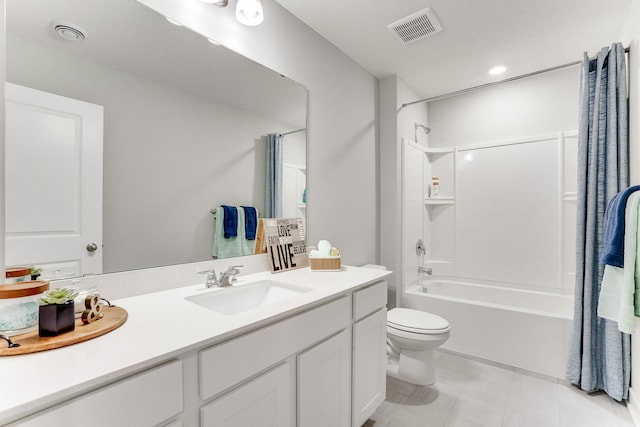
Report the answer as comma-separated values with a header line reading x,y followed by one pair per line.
x,y
369,299
228,364
146,399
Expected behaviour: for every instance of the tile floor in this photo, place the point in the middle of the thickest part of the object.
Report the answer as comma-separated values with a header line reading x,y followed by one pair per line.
x,y
474,393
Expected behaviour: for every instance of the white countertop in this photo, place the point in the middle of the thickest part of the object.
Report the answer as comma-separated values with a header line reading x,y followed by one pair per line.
x,y
160,326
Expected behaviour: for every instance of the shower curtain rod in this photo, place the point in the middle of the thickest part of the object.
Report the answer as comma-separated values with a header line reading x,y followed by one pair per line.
x,y
293,131
510,79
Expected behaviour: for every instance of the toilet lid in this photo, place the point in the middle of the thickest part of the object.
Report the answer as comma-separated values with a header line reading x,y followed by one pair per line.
x,y
417,321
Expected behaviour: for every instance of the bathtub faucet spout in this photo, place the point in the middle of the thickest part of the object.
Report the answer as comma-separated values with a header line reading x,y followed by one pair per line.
x,y
427,270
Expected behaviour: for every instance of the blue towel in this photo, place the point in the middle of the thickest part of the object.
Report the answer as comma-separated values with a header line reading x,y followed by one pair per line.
x,y
250,222
230,221
613,236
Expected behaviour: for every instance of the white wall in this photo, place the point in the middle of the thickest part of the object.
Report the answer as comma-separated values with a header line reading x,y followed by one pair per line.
x,y
542,104
394,125
341,192
630,36
169,156
2,79
545,104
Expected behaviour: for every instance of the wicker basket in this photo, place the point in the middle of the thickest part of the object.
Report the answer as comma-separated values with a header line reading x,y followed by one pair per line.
x,y
331,263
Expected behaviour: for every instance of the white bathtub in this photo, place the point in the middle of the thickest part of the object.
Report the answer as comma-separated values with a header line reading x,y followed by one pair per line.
x,y
521,328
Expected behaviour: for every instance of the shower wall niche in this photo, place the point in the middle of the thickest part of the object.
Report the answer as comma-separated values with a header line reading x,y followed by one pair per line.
x,y
505,212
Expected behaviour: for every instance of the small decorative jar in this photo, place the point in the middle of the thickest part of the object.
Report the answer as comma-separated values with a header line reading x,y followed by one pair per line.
x,y
17,274
19,306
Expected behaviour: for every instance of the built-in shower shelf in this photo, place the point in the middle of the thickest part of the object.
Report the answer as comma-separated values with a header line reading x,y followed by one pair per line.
x,y
431,262
439,201
443,150
302,205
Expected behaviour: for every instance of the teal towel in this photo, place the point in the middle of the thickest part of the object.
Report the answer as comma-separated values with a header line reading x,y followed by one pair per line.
x,y
225,248
232,246
618,299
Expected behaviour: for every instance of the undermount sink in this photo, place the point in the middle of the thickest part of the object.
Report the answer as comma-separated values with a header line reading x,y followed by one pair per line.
x,y
239,299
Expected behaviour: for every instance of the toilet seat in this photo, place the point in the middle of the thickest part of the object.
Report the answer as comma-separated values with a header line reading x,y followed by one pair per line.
x,y
416,322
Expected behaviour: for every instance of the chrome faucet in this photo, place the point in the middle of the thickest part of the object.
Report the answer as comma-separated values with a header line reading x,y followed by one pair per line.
x,y
229,276
212,280
226,278
427,270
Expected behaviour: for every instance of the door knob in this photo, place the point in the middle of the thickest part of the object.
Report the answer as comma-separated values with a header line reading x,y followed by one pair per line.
x,y
92,247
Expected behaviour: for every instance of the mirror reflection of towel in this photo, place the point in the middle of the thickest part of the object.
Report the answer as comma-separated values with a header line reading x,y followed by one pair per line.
x,y
250,222
230,221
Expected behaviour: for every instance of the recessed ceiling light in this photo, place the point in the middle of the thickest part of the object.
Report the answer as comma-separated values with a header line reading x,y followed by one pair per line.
x,y
69,31
212,41
498,69
173,22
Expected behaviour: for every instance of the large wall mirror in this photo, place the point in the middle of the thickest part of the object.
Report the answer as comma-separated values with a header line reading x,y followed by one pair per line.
x,y
183,126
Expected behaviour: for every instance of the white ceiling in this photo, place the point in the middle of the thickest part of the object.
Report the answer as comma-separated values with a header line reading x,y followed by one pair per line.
x,y
526,35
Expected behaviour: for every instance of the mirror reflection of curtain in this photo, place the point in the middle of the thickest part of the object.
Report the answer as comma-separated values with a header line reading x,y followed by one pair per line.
x,y
273,194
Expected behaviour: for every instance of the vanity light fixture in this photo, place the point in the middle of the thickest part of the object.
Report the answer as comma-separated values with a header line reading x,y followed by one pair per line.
x,y
249,12
498,69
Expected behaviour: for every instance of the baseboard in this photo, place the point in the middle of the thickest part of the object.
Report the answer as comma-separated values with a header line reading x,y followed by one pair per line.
x,y
633,404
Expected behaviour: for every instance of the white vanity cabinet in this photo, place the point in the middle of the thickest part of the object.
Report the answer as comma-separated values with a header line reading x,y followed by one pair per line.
x,y
369,351
338,351
324,383
146,399
264,401
323,364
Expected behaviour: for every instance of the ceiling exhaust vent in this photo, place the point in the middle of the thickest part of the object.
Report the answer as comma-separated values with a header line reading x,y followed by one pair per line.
x,y
416,26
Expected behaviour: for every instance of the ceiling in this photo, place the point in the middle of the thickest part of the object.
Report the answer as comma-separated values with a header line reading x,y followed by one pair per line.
x,y
129,37
526,35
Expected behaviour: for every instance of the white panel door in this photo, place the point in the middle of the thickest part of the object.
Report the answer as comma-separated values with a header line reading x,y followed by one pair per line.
x,y
324,392
53,182
265,402
369,365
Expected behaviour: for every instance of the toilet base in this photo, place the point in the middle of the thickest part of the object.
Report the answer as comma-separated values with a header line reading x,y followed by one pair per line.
x,y
415,367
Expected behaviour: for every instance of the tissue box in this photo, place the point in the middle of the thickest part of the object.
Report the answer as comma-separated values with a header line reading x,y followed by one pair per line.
x,y
332,263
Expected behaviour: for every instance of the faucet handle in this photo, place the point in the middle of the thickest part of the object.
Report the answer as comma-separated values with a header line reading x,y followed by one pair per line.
x,y
234,269
427,270
212,279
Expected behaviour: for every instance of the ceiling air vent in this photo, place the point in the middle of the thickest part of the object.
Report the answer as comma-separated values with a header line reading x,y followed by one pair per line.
x,y
416,26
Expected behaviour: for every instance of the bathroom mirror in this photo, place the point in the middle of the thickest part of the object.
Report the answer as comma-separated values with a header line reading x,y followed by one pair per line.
x,y
185,124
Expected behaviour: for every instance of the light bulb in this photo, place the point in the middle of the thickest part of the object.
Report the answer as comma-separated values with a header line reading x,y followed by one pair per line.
x,y
498,69
249,12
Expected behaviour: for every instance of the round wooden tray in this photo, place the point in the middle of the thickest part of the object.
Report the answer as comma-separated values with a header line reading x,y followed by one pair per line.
x,y
114,317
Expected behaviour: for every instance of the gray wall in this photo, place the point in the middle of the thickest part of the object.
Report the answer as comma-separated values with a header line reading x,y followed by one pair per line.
x,y
543,104
341,133
630,36
395,125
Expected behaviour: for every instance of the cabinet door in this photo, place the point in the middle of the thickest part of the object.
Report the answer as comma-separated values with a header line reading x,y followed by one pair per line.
x,y
265,402
143,400
324,383
369,365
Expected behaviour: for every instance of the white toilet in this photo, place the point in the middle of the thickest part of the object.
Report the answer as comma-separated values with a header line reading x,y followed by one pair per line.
x,y
412,335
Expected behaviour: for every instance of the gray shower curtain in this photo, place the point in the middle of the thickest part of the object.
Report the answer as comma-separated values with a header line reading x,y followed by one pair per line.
x,y
273,179
599,354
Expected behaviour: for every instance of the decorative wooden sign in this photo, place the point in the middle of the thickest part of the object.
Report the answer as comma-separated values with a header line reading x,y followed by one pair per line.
x,y
285,242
